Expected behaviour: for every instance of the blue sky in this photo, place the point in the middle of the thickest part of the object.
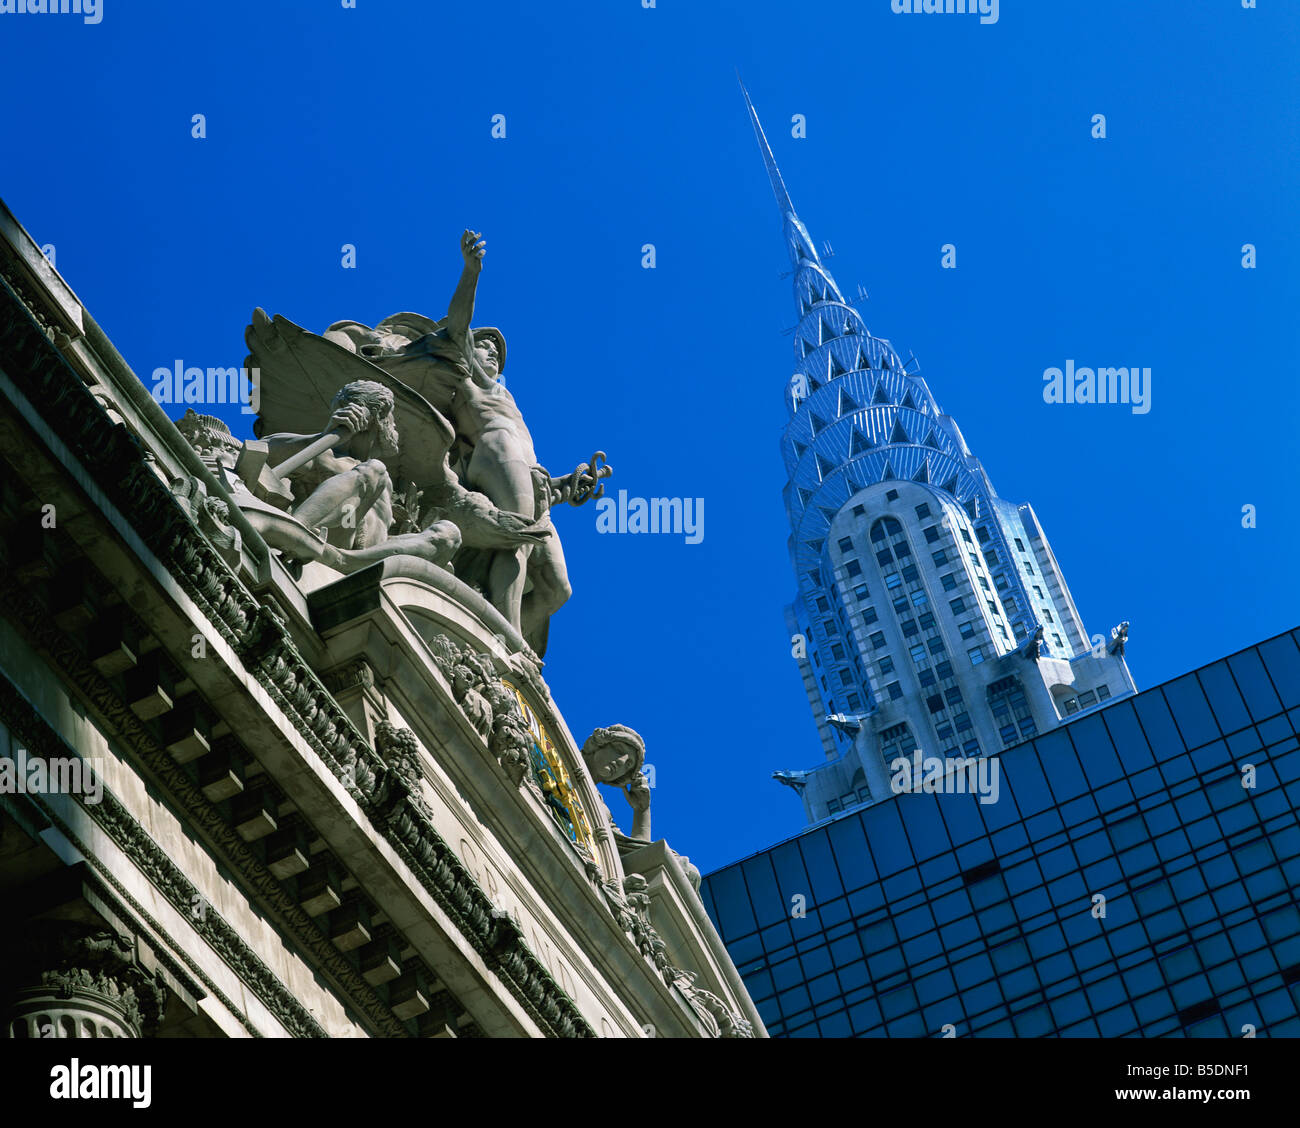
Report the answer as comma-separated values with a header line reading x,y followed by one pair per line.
x,y
625,126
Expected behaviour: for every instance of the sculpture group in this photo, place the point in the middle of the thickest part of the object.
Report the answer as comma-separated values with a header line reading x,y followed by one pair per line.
x,y
421,452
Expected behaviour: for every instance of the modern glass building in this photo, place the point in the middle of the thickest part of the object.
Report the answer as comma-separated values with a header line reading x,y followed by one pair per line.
x,y
931,612
1137,874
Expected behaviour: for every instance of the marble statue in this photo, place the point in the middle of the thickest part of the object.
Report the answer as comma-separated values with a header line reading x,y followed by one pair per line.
x,y
467,454
615,756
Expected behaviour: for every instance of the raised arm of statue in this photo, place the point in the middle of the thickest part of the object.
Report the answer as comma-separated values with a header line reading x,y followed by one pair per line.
x,y
461,311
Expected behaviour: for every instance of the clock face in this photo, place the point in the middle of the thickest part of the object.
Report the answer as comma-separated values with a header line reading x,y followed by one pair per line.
x,y
553,778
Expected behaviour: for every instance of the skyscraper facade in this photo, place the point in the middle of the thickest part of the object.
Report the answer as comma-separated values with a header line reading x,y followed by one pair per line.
x,y
931,613
1136,875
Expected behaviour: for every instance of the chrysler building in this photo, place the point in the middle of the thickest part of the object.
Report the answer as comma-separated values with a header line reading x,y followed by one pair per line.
x,y
930,613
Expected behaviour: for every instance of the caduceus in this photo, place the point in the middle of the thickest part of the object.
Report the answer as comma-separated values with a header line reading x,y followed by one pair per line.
x,y
584,483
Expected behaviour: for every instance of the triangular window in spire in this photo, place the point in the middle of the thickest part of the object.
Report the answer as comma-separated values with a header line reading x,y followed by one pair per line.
x,y
827,330
837,369
824,467
863,361
932,440
816,423
950,486
887,475
923,474
908,401
882,394
898,434
859,444
816,545
829,514
805,496
847,403
799,449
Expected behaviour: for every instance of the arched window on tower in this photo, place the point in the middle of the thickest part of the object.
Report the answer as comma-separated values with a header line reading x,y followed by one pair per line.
x,y
1010,709
885,527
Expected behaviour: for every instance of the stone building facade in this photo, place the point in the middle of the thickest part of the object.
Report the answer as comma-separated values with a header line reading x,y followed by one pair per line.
x,y
239,798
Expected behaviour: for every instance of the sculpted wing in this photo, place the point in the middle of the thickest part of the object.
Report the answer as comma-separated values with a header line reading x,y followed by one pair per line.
x,y
300,373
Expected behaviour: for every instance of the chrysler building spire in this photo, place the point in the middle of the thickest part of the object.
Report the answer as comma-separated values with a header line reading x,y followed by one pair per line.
x,y
931,614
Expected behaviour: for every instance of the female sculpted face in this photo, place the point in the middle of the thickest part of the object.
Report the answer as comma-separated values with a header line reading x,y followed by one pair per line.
x,y
612,762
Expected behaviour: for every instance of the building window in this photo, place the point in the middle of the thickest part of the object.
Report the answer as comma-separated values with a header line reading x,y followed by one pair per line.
x,y
918,655
894,690
901,604
853,568
983,533
1087,698
926,621
902,550
909,628
1000,582
976,654
940,558
855,702
886,665
893,580
877,640
1047,614
1038,591
1020,545
953,695
885,527
869,616
936,647
859,511
822,605
963,722
949,582
984,583
884,556
833,806
846,544
932,534
837,652
1056,638
1103,692
967,629
861,592
1071,706
957,606
971,748
846,677
919,599
927,677
944,669
936,703
892,495
965,533
909,573
923,511
1029,567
